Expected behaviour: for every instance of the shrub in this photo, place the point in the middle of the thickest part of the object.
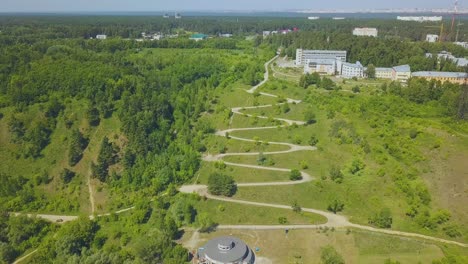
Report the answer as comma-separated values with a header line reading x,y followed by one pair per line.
x,y
313,141
383,219
452,231
329,255
336,175
67,175
220,184
295,175
282,220
335,206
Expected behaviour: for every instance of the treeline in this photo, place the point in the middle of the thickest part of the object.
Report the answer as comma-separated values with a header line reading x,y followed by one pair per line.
x,y
26,27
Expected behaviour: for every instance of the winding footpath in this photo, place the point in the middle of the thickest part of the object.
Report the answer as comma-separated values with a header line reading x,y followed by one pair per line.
x,y
333,220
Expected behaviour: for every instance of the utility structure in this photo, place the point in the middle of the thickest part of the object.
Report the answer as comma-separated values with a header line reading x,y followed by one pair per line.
x,y
441,34
458,31
454,16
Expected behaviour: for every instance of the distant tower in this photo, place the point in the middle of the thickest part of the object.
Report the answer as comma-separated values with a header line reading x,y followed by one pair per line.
x,y
454,15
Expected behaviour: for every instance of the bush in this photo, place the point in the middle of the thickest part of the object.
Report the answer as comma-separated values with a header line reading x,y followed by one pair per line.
x,y
383,219
413,133
282,220
313,141
336,175
452,231
329,255
295,175
296,208
67,175
356,89
220,184
335,206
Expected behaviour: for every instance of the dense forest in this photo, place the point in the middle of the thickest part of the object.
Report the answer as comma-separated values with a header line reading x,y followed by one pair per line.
x,y
59,90
31,27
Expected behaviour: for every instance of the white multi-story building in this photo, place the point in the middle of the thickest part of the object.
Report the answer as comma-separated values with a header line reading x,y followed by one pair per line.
x,y
432,38
367,32
302,56
420,18
101,37
383,73
350,70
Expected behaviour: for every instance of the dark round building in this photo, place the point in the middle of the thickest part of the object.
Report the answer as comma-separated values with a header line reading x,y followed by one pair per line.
x,y
226,250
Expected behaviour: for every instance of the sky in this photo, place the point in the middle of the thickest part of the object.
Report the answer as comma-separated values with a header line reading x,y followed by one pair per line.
x,y
211,5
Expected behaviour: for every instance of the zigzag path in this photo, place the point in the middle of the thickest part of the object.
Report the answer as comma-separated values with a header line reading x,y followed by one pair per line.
x,y
333,220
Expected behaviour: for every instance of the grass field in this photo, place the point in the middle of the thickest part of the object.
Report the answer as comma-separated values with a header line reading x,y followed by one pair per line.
x,y
237,214
433,154
241,175
304,246
216,144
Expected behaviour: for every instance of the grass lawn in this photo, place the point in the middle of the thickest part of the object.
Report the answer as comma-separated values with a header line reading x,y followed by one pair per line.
x,y
217,144
304,246
240,174
243,121
225,213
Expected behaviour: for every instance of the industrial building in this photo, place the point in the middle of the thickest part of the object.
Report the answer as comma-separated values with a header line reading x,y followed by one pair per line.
x,y
225,250
453,77
365,32
304,56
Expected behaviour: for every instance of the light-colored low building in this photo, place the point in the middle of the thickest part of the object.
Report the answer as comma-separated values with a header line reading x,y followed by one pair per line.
x,y
401,73
453,77
198,37
351,70
365,32
101,36
432,38
462,44
383,73
420,18
225,250
321,66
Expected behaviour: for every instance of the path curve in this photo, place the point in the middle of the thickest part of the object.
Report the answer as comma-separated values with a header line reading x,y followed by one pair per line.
x,y
333,220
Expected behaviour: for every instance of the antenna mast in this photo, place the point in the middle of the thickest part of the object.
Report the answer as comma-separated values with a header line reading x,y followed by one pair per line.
x,y
455,13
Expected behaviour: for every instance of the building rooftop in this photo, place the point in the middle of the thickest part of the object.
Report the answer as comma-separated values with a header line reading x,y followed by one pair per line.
x,y
326,51
383,69
402,68
355,65
227,249
322,61
440,74
198,36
